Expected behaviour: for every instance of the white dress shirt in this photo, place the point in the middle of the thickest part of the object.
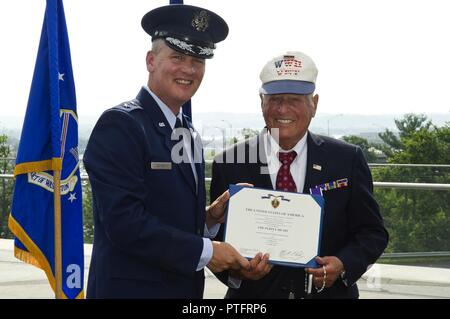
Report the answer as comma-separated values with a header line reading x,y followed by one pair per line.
x,y
298,165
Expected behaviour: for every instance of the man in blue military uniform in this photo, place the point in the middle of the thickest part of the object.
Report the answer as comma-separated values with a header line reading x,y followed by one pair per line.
x,y
147,178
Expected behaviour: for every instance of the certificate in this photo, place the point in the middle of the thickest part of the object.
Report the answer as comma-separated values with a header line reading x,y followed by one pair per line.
x,y
286,225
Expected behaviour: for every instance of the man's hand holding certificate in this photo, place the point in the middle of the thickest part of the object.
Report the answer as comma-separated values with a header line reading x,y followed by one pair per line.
x,y
285,225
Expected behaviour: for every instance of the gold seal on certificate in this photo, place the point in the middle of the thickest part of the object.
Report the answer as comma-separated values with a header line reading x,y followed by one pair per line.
x,y
285,225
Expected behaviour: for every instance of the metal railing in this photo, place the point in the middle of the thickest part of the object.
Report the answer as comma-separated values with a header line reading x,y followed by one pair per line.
x,y
370,164
408,165
417,254
395,185
419,186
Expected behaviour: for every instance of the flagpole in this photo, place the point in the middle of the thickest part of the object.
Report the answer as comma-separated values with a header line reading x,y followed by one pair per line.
x,y
51,18
58,241
50,128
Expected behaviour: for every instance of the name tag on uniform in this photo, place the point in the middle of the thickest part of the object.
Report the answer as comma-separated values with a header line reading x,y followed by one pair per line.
x,y
161,165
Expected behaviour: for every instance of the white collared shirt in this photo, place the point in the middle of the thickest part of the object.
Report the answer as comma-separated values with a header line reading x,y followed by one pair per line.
x,y
298,166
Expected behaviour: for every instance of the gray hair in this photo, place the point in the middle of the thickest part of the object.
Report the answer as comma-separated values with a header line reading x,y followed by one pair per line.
x,y
157,46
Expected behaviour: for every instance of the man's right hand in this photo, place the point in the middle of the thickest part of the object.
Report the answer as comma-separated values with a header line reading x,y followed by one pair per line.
x,y
260,267
226,257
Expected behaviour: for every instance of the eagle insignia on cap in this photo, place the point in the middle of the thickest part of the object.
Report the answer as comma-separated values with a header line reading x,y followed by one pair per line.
x,y
200,21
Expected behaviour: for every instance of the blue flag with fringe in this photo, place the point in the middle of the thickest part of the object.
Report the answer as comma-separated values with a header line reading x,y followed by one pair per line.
x,y
49,142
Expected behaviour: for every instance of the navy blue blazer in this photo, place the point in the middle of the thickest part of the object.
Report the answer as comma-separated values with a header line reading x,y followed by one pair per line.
x,y
148,216
352,230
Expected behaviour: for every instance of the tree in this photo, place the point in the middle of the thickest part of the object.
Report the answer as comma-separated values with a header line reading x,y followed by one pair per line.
x,y
6,187
418,220
412,123
391,144
88,213
364,145
407,126
248,132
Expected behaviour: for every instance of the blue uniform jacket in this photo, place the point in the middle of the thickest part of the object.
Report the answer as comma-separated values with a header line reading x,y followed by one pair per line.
x,y
148,216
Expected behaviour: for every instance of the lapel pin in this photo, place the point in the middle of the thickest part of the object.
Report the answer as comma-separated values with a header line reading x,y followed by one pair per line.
x,y
161,124
317,167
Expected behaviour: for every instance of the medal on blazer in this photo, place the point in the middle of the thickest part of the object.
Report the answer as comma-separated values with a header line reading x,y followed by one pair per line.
x,y
340,183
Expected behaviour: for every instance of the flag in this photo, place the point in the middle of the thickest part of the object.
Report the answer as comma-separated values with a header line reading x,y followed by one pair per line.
x,y
49,142
187,107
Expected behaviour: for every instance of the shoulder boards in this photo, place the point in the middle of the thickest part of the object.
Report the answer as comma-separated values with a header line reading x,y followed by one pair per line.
x,y
129,106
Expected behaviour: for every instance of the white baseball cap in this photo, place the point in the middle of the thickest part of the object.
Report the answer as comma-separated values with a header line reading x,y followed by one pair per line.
x,y
293,72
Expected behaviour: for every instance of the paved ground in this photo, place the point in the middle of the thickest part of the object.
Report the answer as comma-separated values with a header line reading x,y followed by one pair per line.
x,y
20,280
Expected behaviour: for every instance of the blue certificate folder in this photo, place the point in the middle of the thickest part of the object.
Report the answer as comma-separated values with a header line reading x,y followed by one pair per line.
x,y
251,227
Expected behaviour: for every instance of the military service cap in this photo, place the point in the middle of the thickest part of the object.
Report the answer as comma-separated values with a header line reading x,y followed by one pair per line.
x,y
187,29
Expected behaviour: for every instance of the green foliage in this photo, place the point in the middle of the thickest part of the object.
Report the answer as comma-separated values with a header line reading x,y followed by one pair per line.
x,y
208,169
209,154
6,187
88,215
392,143
437,262
409,125
412,123
418,220
248,132
208,198
365,146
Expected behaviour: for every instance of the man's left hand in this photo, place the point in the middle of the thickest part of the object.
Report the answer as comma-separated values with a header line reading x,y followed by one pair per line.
x,y
215,213
333,267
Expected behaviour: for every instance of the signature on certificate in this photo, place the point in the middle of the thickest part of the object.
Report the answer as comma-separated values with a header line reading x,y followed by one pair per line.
x,y
291,254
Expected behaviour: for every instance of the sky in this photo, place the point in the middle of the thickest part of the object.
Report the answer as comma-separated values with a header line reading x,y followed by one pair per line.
x,y
373,56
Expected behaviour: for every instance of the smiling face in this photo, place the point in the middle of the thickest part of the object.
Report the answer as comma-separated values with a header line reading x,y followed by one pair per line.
x,y
290,114
174,76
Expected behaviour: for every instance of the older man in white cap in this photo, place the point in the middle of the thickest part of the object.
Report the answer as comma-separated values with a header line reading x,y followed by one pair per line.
x,y
291,158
